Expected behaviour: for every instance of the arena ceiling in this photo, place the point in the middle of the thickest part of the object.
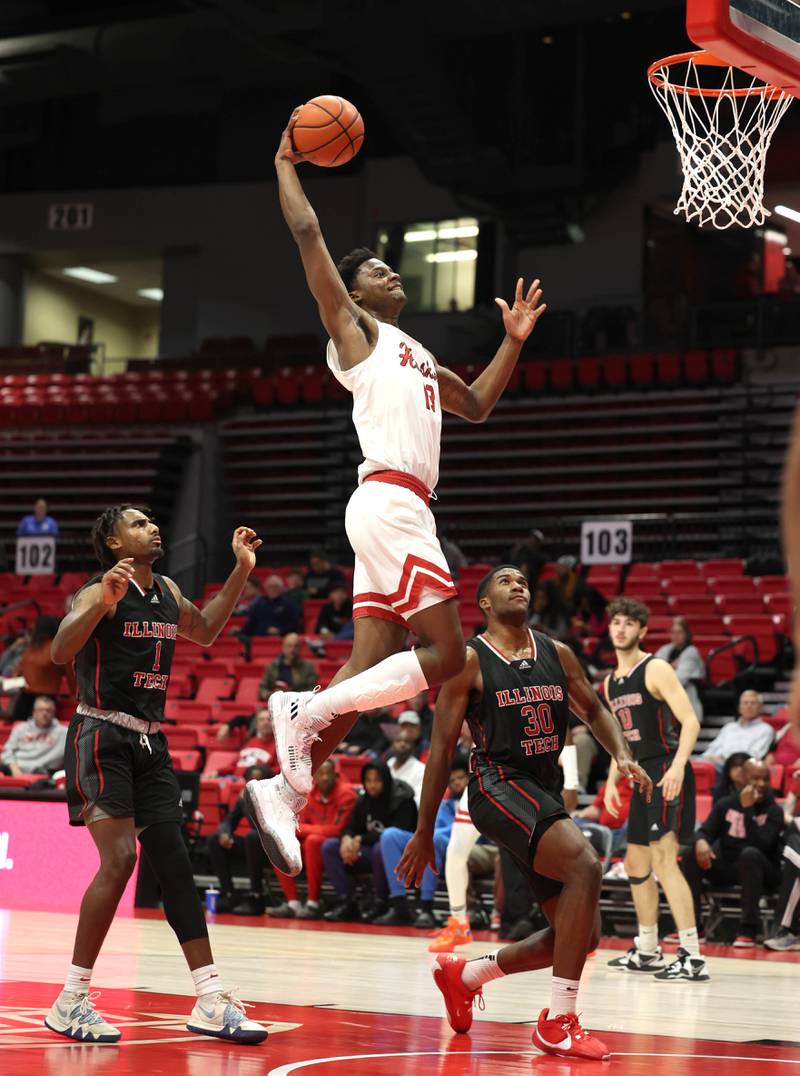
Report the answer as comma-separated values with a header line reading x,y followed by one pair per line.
x,y
525,109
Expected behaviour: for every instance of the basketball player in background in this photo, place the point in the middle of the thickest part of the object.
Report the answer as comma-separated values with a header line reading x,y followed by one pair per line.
x,y
790,530
649,701
516,691
401,577
121,632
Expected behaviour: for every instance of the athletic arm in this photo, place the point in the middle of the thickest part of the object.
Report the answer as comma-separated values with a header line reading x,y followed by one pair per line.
x,y
352,330
451,708
476,402
204,625
662,682
584,702
88,609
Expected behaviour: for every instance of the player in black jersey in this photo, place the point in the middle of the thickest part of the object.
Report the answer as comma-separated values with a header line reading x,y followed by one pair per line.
x,y
121,631
516,691
651,705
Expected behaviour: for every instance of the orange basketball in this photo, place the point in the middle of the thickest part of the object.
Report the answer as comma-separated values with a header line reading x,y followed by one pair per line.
x,y
328,131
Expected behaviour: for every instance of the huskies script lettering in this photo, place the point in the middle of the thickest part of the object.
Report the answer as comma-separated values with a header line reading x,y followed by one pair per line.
x,y
425,368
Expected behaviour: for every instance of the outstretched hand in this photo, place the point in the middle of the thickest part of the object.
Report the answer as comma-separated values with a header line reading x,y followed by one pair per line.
x,y
244,544
286,150
520,319
419,854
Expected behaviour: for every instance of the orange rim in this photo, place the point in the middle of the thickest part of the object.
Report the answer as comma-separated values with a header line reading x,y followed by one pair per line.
x,y
704,59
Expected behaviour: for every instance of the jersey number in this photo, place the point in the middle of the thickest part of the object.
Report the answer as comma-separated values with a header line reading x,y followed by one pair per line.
x,y
625,718
156,663
539,719
430,397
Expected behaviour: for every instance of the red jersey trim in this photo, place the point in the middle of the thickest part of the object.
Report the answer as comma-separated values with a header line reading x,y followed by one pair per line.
x,y
400,478
97,702
379,612
137,586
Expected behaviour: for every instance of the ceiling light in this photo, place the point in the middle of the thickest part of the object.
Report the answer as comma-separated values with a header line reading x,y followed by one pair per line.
x,y
452,256
93,276
784,211
625,15
547,39
424,236
151,293
462,231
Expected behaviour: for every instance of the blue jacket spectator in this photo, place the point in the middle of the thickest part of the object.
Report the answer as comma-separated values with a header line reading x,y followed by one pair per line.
x,y
272,613
38,522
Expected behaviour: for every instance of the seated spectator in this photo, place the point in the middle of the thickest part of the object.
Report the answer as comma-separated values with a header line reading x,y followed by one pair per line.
x,y
787,912
251,592
596,821
411,725
42,675
383,802
530,555
787,748
225,846
685,659
730,779
749,733
38,522
241,721
329,807
288,672
366,737
257,750
420,705
739,844
270,614
393,842
545,615
36,745
564,594
9,659
335,620
404,765
591,616
322,576
296,590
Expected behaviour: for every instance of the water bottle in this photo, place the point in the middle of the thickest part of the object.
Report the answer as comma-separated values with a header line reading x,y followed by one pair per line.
x,y
212,900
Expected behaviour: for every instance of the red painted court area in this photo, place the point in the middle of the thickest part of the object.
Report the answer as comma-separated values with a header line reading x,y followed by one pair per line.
x,y
335,1042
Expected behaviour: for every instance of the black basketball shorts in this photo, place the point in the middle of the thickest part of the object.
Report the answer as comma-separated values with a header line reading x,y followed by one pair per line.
x,y
514,812
119,773
649,822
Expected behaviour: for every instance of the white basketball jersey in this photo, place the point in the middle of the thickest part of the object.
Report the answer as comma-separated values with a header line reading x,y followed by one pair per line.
x,y
396,409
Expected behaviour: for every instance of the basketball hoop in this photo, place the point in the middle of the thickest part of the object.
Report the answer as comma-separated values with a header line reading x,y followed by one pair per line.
x,y
723,120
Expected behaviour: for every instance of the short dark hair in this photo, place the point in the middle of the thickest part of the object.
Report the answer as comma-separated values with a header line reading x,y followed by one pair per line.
x,y
460,762
350,264
103,527
684,623
485,583
630,607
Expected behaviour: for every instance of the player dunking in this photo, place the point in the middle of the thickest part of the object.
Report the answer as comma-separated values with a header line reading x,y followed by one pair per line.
x,y
516,691
646,695
120,781
401,577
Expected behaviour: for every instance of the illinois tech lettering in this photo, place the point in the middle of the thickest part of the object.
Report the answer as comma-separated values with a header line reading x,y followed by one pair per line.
x,y
622,709
149,629
538,726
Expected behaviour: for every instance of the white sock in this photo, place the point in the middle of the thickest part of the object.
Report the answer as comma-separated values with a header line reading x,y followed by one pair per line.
x,y
78,979
312,904
207,980
293,799
689,941
459,912
647,938
394,679
563,996
296,905
481,970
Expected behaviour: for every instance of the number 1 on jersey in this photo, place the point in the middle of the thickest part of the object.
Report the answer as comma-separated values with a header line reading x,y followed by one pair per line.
x,y
157,662
430,397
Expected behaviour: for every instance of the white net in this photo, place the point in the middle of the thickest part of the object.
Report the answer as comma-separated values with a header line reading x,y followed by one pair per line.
x,y
723,131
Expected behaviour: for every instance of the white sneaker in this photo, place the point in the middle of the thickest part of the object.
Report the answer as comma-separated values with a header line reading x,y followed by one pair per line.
x,y
273,806
73,1014
295,728
685,966
783,942
222,1015
636,960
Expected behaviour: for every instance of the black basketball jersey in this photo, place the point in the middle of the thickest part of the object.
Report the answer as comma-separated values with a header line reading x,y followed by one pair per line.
x,y
520,720
647,722
126,661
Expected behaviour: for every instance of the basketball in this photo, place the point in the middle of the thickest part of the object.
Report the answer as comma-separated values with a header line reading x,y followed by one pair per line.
x,y
328,131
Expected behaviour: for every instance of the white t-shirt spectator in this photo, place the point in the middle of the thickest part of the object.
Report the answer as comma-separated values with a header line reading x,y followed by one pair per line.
x,y
35,749
753,737
689,668
412,772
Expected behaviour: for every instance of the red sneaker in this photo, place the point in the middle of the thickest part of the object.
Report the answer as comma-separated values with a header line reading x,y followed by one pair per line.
x,y
458,998
564,1037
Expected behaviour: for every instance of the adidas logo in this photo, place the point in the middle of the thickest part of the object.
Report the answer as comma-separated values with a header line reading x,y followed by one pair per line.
x,y
654,826
154,600
524,665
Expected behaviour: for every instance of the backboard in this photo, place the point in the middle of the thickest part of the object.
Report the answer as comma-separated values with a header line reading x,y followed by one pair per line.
x,y
761,37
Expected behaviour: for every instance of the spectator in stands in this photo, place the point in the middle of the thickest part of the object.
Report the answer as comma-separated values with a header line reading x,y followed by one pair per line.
x,y
335,620
749,733
730,779
296,590
609,832
288,671
328,810
403,764
456,560
420,705
270,614
35,745
38,522
257,750
546,615
383,802
393,841
564,594
739,843
9,659
241,721
787,912
366,737
685,659
530,556
591,616
322,576
42,675
787,748
411,725
251,592
225,845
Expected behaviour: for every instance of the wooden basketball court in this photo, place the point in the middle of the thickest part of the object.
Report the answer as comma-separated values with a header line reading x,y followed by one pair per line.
x,y
360,1000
